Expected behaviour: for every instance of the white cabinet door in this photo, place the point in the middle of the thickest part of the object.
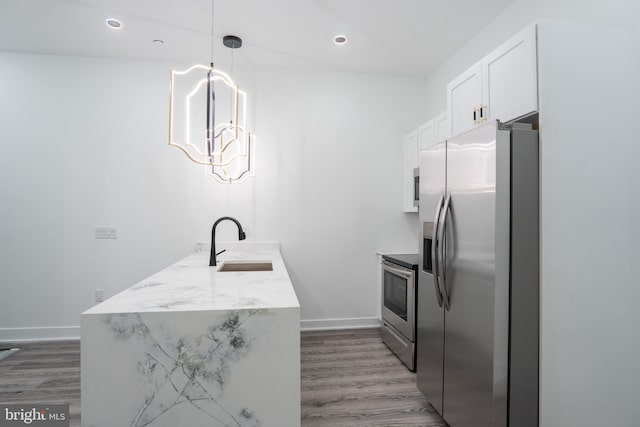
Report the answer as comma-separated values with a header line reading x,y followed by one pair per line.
x,y
426,135
410,147
442,127
464,96
509,78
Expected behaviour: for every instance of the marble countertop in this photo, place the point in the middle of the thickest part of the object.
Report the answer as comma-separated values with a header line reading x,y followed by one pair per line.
x,y
191,285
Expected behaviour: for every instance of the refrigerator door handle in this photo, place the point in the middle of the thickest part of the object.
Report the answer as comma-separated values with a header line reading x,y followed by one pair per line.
x,y
441,255
434,252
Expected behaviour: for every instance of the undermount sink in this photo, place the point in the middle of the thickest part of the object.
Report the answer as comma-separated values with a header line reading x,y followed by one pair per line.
x,y
246,266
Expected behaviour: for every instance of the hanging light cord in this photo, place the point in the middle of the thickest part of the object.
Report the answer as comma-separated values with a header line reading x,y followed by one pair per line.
x,y
212,15
211,102
232,49
231,74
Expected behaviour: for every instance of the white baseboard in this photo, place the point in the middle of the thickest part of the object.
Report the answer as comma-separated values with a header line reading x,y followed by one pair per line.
x,y
349,323
73,332
40,334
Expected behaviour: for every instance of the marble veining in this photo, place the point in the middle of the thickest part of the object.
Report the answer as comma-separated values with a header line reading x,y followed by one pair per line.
x,y
187,370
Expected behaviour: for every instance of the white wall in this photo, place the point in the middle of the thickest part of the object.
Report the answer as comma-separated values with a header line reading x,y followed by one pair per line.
x,y
84,143
590,205
335,141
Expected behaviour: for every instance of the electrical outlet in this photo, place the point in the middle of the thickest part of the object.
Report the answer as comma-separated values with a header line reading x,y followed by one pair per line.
x,y
106,232
99,295
202,246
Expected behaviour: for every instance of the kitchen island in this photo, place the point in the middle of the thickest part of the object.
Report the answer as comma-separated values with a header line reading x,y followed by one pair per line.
x,y
193,346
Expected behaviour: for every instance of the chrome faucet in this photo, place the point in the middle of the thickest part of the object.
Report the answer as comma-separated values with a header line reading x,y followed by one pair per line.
x,y
241,236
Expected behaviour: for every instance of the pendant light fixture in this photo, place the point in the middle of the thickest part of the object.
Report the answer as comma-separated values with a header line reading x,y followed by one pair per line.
x,y
212,133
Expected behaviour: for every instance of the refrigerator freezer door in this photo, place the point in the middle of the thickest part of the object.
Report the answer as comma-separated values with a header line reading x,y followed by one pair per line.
x,y
430,315
469,276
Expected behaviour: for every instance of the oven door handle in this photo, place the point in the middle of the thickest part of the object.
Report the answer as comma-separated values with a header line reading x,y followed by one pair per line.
x,y
434,252
406,273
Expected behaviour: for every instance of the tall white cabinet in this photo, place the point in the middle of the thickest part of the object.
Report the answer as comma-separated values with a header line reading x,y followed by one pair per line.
x,y
503,85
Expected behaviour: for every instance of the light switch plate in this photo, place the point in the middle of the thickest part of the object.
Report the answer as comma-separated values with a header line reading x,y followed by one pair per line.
x,y
106,232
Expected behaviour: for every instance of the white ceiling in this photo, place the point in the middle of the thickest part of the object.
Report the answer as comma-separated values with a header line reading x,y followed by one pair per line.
x,y
403,37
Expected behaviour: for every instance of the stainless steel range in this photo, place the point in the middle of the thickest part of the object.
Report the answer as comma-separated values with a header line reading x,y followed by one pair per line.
x,y
399,285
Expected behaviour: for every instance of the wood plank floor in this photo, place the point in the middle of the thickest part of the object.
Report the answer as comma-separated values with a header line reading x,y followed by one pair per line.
x,y
348,378
43,373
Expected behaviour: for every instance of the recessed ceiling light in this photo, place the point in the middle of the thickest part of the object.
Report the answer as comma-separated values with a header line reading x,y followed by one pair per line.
x,y
158,41
340,39
113,23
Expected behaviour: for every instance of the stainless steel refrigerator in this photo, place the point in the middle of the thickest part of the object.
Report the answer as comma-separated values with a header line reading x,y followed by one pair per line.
x,y
478,296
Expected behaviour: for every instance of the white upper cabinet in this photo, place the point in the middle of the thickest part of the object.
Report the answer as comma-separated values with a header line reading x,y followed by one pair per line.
x,y
503,85
509,77
410,148
442,127
430,133
464,96
426,135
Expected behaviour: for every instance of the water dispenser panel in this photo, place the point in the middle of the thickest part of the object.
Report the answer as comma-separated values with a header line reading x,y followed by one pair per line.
x,y
427,235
